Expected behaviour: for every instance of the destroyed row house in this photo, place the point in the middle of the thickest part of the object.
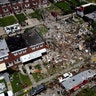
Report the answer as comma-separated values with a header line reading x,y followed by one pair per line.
x,y
20,48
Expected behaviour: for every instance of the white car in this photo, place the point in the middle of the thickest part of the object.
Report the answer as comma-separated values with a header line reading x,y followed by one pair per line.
x,y
65,77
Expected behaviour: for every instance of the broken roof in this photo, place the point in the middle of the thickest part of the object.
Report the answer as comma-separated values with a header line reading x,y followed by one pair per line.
x,y
16,42
32,37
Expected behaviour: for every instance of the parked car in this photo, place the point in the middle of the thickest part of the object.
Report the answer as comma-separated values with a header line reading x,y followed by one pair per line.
x,y
65,77
37,90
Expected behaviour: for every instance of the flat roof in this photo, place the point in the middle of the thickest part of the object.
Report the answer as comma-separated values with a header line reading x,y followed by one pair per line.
x,y
77,79
91,15
32,37
32,55
3,48
16,42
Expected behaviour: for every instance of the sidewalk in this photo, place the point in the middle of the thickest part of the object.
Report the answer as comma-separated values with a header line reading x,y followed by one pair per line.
x,y
9,86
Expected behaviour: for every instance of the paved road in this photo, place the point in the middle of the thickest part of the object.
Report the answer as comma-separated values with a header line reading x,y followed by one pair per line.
x,y
51,77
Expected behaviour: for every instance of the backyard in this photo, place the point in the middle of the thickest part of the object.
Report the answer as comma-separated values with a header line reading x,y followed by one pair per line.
x,y
20,83
87,92
37,14
21,17
64,6
77,3
54,8
7,21
42,29
37,75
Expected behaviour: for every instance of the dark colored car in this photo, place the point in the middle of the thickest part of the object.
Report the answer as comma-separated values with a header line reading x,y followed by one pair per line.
x,y
37,90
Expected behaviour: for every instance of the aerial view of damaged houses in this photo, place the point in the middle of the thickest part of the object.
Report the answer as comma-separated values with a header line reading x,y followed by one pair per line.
x,y
47,47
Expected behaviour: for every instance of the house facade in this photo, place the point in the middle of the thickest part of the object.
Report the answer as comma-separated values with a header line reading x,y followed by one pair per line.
x,y
21,48
15,6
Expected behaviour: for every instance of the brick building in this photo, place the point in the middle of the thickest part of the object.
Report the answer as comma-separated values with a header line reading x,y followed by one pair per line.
x,y
20,48
15,6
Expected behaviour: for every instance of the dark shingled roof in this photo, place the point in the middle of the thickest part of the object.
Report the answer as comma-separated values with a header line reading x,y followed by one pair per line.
x,y
32,37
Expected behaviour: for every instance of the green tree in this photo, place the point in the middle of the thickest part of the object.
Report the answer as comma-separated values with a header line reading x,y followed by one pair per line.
x,y
94,27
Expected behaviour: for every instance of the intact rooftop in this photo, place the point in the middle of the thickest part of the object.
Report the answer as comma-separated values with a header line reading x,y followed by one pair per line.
x,y
78,79
3,48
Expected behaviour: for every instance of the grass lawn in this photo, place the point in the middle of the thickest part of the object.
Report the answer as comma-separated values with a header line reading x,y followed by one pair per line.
x,y
64,6
38,76
35,76
21,17
7,21
38,67
87,92
26,80
37,14
75,2
54,8
17,81
42,30
82,3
